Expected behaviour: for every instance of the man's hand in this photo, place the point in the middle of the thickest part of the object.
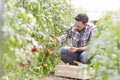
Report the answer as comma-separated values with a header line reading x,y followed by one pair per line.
x,y
73,49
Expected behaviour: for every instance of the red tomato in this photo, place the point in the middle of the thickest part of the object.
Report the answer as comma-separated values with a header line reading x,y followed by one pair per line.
x,y
48,52
22,64
34,49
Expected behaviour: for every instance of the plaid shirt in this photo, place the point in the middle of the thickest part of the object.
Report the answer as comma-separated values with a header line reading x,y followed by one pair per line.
x,y
80,39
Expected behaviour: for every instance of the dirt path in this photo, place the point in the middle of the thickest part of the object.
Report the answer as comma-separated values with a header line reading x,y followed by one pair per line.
x,y
53,77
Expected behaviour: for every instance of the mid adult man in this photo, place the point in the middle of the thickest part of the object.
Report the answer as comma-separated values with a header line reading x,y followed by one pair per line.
x,y
81,33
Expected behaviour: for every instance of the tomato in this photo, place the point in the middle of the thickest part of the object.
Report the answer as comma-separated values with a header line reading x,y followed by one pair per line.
x,y
22,64
45,65
5,78
34,49
48,52
52,36
71,48
28,53
12,39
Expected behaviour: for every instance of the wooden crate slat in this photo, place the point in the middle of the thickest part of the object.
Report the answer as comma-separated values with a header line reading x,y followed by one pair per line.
x,y
78,72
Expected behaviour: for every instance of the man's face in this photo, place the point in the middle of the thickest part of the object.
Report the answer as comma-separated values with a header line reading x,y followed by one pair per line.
x,y
79,25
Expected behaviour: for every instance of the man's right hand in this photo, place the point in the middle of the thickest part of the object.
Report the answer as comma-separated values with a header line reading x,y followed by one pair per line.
x,y
73,49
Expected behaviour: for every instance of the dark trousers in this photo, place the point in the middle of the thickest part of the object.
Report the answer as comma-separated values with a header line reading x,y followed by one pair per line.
x,y
79,56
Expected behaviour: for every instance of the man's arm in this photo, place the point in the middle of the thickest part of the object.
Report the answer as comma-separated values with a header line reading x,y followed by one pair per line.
x,y
65,37
82,48
93,32
74,49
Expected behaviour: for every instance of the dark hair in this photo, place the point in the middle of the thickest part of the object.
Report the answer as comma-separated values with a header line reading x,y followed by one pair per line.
x,y
82,17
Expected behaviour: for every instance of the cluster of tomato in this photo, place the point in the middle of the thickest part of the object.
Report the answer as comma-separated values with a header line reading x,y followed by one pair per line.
x,y
34,50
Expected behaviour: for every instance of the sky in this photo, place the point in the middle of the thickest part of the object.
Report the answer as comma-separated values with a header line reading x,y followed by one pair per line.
x,y
95,8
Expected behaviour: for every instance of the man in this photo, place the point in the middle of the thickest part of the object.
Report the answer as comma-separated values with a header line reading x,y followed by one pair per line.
x,y
81,33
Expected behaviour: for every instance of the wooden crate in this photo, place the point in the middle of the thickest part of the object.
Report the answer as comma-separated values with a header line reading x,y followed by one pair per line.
x,y
78,72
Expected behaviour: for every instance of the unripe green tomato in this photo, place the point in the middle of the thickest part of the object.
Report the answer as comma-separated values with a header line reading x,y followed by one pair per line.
x,y
12,39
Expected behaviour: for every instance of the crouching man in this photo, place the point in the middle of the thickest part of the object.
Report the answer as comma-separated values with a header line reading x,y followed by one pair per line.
x,y
81,33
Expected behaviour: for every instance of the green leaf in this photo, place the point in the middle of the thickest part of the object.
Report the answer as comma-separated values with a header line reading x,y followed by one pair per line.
x,y
41,23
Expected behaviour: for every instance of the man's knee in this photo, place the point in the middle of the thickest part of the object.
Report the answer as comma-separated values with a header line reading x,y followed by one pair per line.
x,y
64,50
83,58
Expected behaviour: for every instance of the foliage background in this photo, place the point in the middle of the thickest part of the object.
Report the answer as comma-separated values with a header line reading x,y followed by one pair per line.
x,y
107,47
1,36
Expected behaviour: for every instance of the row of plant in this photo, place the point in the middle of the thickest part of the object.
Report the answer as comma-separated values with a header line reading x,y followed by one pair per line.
x,y
107,47
31,27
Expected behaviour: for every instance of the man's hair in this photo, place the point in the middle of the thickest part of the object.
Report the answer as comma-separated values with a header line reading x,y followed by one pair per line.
x,y
82,17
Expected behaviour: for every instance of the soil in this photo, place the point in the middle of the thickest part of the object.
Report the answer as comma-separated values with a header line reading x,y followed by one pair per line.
x,y
53,77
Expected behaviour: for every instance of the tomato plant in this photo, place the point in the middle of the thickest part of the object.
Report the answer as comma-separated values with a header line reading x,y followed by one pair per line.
x,y
107,47
30,28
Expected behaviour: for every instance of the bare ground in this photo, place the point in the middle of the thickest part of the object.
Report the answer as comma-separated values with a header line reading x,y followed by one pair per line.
x,y
53,77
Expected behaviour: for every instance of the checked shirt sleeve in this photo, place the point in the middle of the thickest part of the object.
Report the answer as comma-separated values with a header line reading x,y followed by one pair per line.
x,y
67,36
93,31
